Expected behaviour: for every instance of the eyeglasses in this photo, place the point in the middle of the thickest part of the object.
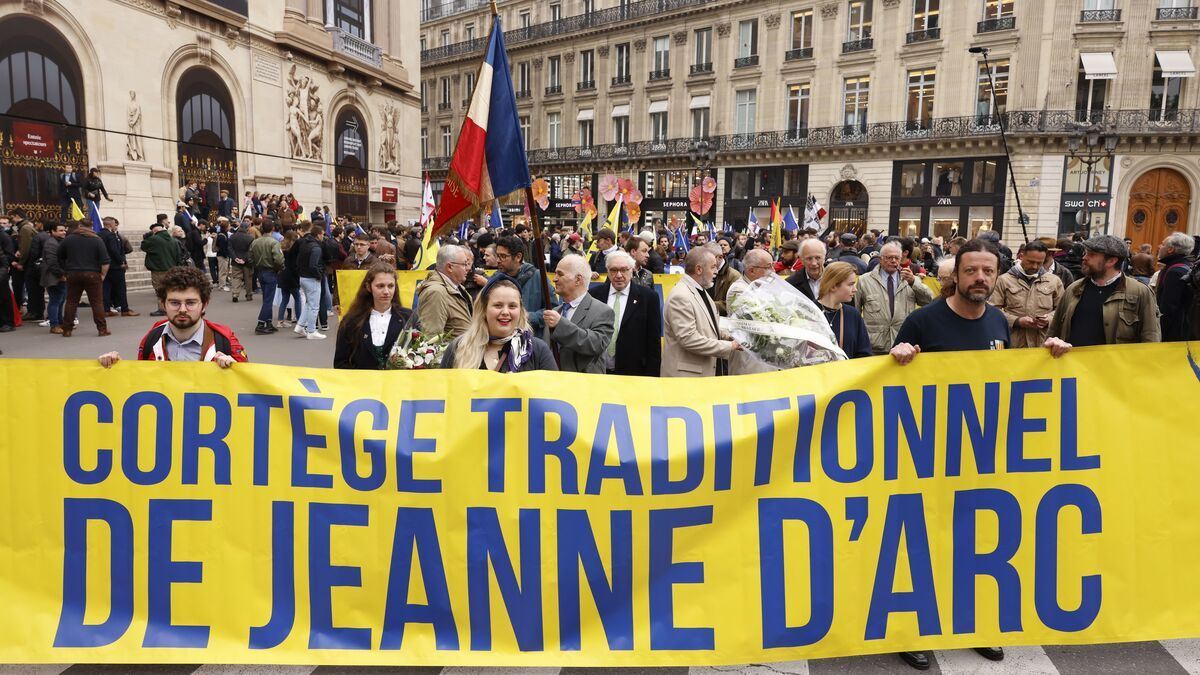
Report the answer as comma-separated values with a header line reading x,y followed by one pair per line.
x,y
179,304
503,256
619,270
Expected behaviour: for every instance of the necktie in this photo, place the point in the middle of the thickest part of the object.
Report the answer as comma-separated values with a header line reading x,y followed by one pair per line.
x,y
891,294
612,346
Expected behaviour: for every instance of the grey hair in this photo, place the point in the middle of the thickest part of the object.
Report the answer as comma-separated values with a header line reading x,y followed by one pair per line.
x,y
812,242
618,256
1182,243
446,255
576,264
948,260
757,256
892,244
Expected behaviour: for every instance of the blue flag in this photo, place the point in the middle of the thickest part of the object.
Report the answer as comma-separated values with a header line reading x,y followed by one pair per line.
x,y
496,222
789,220
94,214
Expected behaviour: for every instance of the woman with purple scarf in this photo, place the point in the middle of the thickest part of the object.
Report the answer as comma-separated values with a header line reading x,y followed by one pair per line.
x,y
498,337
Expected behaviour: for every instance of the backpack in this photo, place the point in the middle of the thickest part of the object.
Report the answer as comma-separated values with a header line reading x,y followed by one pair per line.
x,y
1192,317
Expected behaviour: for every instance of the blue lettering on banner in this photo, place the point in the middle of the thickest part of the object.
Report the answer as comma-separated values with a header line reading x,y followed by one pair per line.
x,y
665,574
415,529
772,513
577,548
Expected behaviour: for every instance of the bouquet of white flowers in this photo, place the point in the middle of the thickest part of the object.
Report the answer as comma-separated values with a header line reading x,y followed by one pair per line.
x,y
779,327
417,350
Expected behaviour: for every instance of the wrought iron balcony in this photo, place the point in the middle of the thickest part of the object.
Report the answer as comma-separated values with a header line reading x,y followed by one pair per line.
x,y
621,80
746,61
660,74
466,103
566,26
554,90
1052,123
1099,15
424,108
449,8
524,93
858,45
701,68
444,105
993,25
585,85
798,54
1175,13
350,45
923,35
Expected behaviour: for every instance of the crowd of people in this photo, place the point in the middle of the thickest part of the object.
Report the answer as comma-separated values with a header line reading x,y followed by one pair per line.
x,y
881,294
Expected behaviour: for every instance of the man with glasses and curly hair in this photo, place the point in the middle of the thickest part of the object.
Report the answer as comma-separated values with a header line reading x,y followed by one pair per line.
x,y
185,335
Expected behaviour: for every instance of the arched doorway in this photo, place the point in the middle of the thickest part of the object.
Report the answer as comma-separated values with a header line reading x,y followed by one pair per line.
x,y
207,143
41,116
1158,206
848,207
351,184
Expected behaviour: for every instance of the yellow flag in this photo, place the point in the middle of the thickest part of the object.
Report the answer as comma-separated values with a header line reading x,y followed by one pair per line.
x,y
776,226
614,216
76,214
429,249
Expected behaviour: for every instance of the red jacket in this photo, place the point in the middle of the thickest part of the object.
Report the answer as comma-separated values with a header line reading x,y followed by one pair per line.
x,y
217,338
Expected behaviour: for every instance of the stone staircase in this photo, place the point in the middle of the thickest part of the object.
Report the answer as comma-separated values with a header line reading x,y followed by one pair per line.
x,y
137,277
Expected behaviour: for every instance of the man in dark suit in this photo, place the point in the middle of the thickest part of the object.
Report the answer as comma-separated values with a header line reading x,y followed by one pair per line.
x,y
636,346
808,279
581,327
68,184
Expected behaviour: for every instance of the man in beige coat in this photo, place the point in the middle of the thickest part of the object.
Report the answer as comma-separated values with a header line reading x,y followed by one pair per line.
x,y
693,343
1028,295
442,302
887,295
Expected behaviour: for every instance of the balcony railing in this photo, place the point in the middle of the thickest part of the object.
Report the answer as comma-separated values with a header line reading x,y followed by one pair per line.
x,y
350,45
621,80
466,103
1052,123
449,8
664,74
798,54
858,45
444,105
566,26
1098,15
424,108
554,90
1175,13
524,93
993,25
746,61
923,35
701,68
585,85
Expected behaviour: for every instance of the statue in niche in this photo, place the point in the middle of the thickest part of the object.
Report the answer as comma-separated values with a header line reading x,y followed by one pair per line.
x,y
133,118
389,149
305,124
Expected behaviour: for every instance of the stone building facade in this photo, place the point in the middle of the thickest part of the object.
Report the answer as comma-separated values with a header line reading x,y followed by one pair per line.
x,y
876,107
318,98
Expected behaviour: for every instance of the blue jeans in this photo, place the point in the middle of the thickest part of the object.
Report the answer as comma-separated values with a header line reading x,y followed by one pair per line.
x,y
58,297
312,300
287,295
266,281
326,303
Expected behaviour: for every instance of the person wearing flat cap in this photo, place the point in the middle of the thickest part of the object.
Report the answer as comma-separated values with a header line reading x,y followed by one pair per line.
x,y
848,253
1104,307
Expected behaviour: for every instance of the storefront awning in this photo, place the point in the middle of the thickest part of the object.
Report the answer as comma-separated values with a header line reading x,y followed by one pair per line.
x,y
1176,64
659,106
699,102
1098,65
621,110
585,115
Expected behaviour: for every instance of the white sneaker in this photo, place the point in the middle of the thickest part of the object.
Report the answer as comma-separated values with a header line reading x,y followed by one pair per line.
x,y
298,330
45,324
76,322
315,335
225,288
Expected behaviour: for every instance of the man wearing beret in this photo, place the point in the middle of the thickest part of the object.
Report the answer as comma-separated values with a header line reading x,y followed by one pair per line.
x,y
1104,307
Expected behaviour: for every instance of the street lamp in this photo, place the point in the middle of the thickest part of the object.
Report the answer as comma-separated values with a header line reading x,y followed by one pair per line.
x,y
1099,142
702,154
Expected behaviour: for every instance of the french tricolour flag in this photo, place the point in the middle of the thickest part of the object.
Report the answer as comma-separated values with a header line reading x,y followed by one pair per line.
x,y
489,160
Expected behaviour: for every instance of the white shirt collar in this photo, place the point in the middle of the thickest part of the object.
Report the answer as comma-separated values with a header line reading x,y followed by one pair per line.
x,y
387,312
1110,282
449,282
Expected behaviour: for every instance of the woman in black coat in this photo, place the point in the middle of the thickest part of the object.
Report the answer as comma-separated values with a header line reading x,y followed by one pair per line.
x,y
837,293
371,327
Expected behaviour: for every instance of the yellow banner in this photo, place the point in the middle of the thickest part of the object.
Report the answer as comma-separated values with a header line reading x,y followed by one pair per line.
x,y
176,512
407,281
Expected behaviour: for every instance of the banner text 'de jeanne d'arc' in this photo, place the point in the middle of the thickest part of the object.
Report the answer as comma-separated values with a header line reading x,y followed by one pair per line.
x,y
275,515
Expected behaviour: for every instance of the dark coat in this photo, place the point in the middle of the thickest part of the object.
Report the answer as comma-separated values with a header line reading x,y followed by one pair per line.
x,y
856,343
68,185
639,341
799,280
353,351
542,359
115,246
93,188
1174,297
655,263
